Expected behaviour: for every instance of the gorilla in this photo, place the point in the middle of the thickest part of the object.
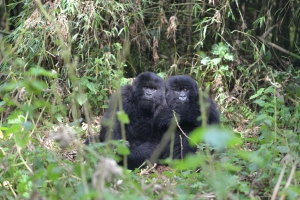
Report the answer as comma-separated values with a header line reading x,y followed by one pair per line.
x,y
142,102
182,96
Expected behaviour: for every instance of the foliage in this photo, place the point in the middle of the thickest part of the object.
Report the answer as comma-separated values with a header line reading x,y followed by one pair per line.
x,y
61,60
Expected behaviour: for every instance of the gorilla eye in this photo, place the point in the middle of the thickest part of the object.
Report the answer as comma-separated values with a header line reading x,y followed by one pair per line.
x,y
182,89
150,87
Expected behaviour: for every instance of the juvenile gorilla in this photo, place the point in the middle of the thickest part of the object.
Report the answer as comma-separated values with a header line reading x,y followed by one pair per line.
x,y
182,96
141,102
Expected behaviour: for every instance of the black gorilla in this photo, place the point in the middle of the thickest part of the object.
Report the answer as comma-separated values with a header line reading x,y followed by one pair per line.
x,y
182,96
141,101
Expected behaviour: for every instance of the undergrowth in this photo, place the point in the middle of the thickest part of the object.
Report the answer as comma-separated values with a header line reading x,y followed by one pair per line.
x,y
65,58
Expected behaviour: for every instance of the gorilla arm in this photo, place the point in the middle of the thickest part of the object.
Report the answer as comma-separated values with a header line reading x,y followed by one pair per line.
x,y
213,113
113,130
109,130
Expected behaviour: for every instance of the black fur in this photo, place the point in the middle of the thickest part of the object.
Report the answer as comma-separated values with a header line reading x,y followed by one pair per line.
x,y
182,96
141,102
151,113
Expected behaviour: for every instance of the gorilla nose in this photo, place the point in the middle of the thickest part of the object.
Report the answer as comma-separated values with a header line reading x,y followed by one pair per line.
x,y
182,98
148,95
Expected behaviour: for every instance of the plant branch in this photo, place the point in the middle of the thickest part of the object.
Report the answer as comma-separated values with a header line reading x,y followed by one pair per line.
x,y
278,47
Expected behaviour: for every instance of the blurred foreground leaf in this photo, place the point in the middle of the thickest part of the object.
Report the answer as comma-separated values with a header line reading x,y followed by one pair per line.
x,y
218,138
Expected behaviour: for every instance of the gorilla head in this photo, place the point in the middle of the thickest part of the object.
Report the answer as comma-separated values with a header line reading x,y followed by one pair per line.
x,y
182,96
181,93
148,91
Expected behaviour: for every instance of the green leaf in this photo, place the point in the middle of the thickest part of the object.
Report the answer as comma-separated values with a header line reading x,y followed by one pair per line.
x,y
25,186
9,86
123,117
19,119
53,172
21,138
268,55
100,97
81,98
202,54
124,81
84,81
229,56
191,161
35,86
197,136
59,117
13,129
205,61
123,150
270,89
77,169
168,174
218,138
263,118
2,103
104,106
219,49
161,74
92,87
260,102
38,71
216,61
224,68
283,149
258,93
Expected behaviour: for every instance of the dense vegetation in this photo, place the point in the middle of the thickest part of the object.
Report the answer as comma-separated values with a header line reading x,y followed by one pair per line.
x,y
61,59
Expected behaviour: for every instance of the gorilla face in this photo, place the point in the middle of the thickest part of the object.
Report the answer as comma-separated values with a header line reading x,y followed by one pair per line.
x,y
148,92
181,92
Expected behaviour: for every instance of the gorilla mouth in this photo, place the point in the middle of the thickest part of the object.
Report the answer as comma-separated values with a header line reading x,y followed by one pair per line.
x,y
145,99
181,101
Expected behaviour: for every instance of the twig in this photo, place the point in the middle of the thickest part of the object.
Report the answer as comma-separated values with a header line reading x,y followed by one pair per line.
x,y
181,147
276,188
278,47
268,31
23,161
262,38
174,113
146,171
4,32
289,180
